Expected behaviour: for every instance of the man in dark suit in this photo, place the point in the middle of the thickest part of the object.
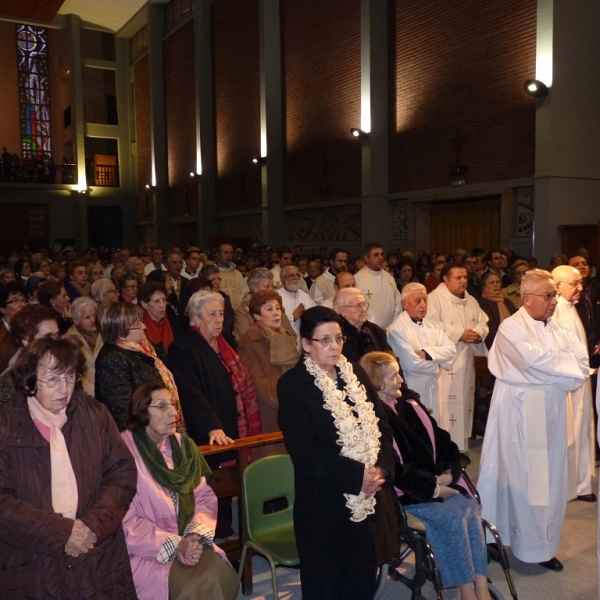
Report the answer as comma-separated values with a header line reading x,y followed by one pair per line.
x,y
177,283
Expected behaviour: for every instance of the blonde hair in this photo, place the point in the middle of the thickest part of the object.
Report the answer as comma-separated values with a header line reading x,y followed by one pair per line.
x,y
116,318
374,364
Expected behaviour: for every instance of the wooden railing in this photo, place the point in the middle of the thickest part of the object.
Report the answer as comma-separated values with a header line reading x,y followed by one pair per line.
x,y
227,482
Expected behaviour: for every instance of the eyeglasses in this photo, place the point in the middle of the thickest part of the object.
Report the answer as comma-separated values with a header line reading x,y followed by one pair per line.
x,y
132,286
361,305
52,382
327,341
573,283
548,296
17,301
163,407
138,325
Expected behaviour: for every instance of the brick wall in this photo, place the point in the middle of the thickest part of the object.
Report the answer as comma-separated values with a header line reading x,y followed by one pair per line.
x,y
180,102
237,103
459,88
321,45
10,128
142,135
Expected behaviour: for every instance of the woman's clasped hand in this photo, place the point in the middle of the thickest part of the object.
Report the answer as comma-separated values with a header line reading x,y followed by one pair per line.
x,y
82,539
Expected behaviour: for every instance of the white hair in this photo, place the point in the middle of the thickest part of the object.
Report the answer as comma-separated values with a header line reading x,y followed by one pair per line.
x,y
79,304
100,288
199,300
344,296
413,288
532,280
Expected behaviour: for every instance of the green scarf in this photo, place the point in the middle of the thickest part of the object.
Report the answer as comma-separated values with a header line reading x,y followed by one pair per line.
x,y
190,466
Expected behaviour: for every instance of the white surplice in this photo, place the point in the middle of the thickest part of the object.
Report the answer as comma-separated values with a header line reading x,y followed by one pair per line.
x,y
523,470
276,270
291,301
580,421
380,291
453,315
322,288
406,339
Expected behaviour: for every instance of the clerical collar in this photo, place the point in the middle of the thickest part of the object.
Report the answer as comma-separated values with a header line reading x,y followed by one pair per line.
x,y
416,321
220,265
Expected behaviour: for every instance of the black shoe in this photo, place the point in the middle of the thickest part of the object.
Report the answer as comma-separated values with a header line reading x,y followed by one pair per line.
x,y
588,498
465,461
553,564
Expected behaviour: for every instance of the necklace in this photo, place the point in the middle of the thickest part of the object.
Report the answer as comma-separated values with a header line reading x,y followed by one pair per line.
x,y
356,424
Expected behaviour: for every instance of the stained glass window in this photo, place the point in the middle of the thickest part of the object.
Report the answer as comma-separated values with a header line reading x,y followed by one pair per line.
x,y
34,91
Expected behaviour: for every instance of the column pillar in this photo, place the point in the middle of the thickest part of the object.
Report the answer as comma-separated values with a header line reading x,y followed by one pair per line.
x,y
567,176
376,211
78,125
275,226
158,133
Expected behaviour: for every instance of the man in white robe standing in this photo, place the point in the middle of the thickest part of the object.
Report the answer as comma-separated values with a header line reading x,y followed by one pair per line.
x,y
421,346
523,471
451,308
294,300
378,287
322,288
580,421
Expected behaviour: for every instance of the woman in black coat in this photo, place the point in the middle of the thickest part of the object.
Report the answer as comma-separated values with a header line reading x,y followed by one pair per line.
x,y
342,534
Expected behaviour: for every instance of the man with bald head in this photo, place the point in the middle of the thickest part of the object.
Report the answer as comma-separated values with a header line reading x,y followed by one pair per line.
x,y
422,347
523,471
580,423
362,335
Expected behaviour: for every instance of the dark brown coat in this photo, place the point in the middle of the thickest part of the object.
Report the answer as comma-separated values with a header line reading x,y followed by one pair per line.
x,y
255,350
8,347
33,562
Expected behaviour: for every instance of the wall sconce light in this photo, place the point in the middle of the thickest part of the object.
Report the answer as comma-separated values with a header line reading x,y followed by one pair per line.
x,y
359,133
536,88
262,160
149,186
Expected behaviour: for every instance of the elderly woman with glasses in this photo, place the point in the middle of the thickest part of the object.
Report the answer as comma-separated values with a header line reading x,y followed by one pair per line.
x,y
126,360
13,297
170,525
341,446
217,396
128,288
66,481
362,335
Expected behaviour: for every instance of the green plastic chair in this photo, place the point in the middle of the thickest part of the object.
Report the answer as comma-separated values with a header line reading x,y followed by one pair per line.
x,y
270,535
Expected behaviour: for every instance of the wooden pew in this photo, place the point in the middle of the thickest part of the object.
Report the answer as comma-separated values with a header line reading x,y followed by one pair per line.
x,y
227,482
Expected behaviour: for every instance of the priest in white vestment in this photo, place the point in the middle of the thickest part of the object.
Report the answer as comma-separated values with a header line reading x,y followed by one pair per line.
x,y
523,471
421,347
294,300
378,287
580,420
323,286
458,314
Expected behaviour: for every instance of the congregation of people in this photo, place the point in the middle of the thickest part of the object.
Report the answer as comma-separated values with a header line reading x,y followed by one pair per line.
x,y
116,365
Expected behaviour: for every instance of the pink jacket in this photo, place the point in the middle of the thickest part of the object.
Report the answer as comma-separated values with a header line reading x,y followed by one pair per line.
x,y
151,519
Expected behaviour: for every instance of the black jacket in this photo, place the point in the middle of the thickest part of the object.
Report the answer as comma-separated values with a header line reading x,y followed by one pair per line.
x,y
416,475
118,373
327,539
358,344
206,392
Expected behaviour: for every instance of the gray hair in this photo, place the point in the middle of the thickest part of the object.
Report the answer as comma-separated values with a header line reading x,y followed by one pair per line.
x,y
80,303
129,265
199,300
285,269
344,296
256,276
532,279
100,288
209,270
412,288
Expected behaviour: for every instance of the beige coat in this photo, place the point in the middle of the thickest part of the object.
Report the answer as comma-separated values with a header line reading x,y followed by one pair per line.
x,y
88,379
254,349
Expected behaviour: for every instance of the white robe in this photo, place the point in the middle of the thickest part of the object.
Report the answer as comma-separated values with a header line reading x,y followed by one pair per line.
x,y
381,292
406,339
291,301
276,270
322,288
523,470
580,422
453,315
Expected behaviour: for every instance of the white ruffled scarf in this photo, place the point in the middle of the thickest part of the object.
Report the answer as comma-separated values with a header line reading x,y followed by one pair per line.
x,y
356,423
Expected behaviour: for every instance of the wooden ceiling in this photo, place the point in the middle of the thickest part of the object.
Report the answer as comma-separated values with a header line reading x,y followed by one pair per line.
x,y
36,10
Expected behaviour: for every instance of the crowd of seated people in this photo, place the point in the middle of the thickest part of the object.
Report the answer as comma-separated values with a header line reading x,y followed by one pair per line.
x,y
190,346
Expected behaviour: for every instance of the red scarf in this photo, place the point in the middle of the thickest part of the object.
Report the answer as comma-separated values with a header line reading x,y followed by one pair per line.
x,y
158,331
247,404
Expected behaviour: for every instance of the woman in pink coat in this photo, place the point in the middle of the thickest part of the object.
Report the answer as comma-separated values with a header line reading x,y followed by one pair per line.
x,y
169,528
